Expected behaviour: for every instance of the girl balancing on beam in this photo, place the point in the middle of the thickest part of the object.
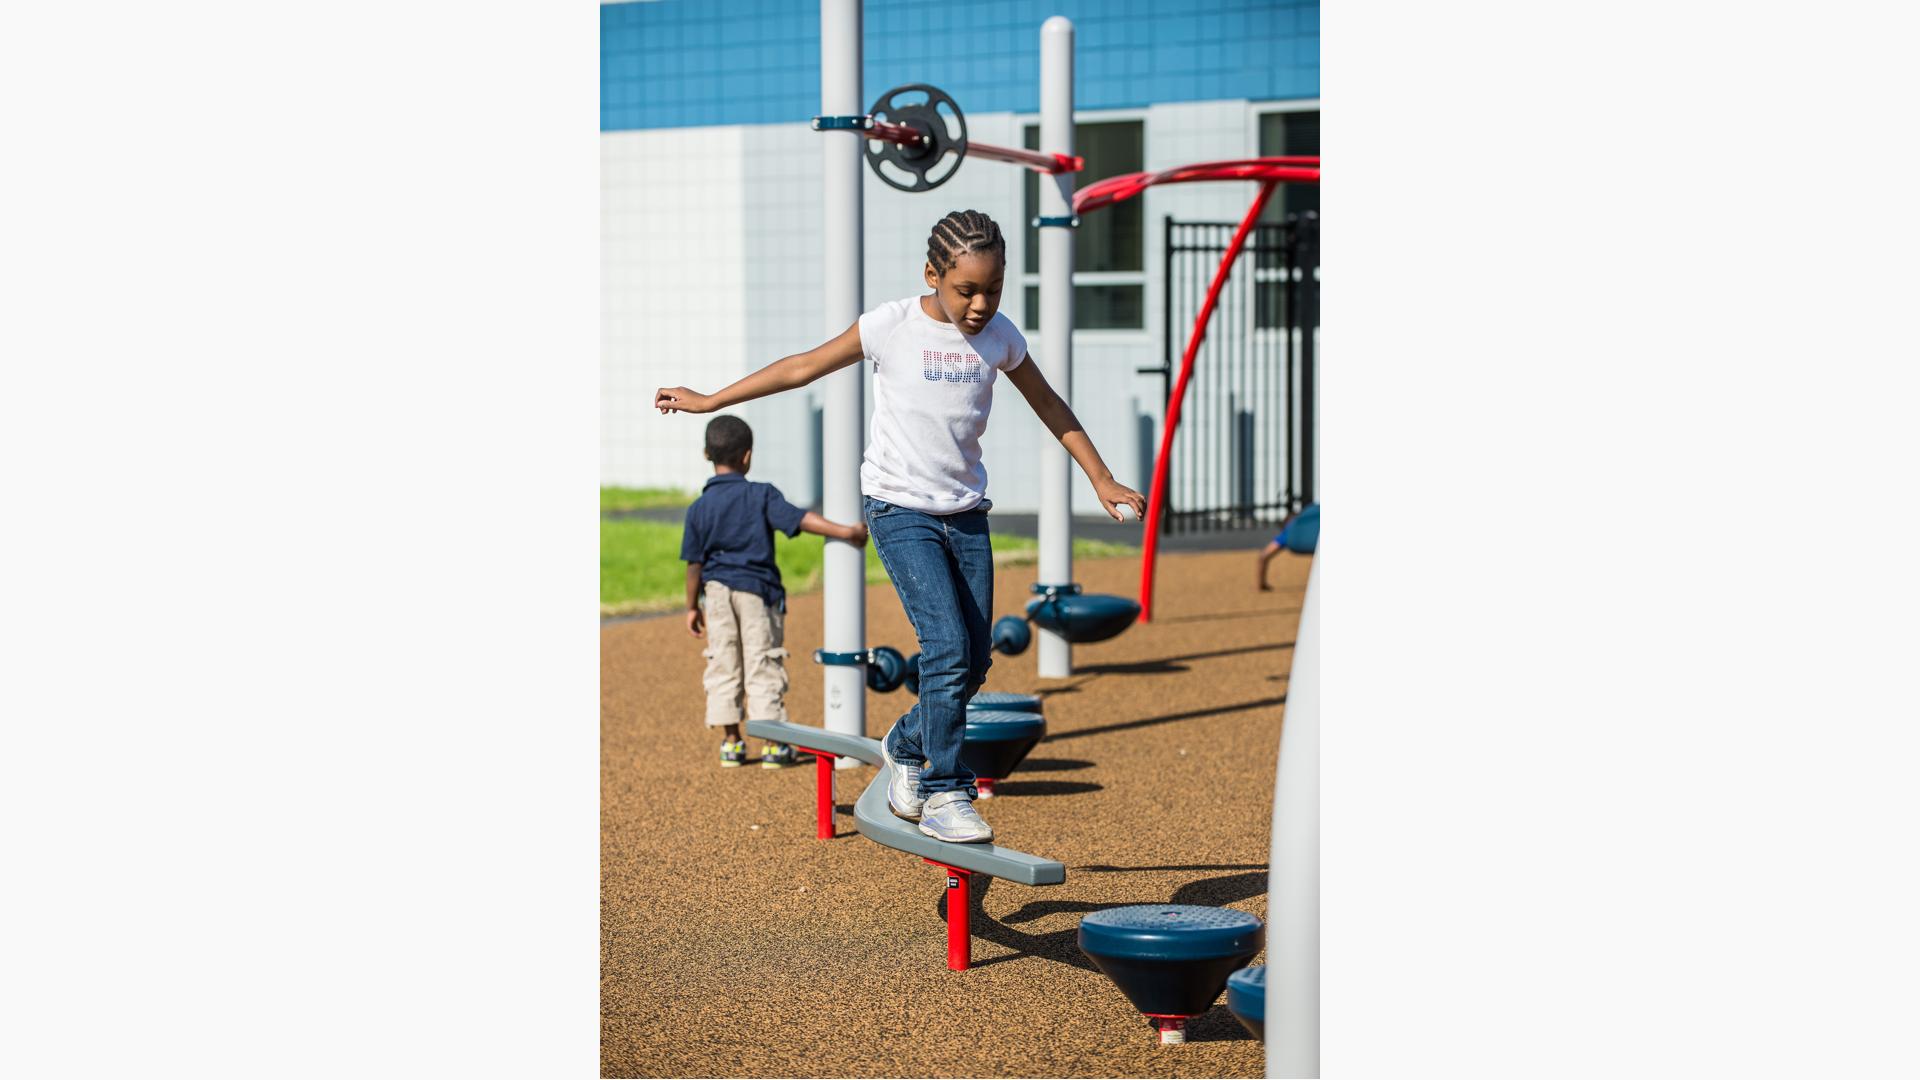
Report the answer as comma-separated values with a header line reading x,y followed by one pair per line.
x,y
934,361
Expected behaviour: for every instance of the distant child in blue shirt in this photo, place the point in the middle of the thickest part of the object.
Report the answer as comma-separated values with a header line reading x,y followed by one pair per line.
x,y
1300,532
728,548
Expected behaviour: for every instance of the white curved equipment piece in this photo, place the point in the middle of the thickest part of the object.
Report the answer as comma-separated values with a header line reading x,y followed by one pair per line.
x,y
1293,875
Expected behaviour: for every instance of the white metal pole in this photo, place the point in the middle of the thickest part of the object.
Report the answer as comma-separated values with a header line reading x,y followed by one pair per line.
x,y
843,435
1293,884
1056,325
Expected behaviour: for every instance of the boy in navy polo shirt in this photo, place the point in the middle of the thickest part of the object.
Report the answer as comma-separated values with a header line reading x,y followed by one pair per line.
x,y
728,548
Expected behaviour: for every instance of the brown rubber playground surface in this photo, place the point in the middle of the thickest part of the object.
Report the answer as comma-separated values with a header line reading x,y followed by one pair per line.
x,y
734,943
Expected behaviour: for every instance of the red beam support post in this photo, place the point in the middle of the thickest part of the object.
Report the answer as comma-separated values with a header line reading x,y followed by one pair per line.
x,y
823,791
1157,498
959,916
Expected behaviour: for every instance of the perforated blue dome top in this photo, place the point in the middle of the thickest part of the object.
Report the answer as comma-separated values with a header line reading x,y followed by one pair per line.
x,y
993,725
1170,932
999,702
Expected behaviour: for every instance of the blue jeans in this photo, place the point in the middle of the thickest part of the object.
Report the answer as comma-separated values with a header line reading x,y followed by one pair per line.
x,y
942,567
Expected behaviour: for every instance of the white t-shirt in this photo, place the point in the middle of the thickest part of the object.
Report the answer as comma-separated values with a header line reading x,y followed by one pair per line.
x,y
932,390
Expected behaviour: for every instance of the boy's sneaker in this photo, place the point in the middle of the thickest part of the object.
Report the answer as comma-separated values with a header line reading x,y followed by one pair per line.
x,y
903,784
776,755
733,753
950,816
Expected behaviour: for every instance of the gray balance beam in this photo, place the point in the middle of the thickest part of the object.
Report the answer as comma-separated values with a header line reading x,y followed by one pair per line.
x,y
857,747
877,823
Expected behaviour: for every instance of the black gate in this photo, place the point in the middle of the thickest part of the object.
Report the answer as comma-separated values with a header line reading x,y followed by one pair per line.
x,y
1243,456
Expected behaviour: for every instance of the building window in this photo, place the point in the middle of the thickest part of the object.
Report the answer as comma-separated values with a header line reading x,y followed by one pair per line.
x,y
1291,134
1109,247
1282,134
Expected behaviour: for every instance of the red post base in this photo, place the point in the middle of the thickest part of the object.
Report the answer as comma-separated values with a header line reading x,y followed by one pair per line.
x,y
1171,1030
823,792
984,785
959,916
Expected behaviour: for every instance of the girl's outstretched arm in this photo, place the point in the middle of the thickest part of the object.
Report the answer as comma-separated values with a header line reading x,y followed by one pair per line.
x,y
786,373
1059,418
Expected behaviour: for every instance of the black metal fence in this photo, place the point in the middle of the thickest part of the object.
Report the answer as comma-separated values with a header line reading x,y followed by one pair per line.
x,y
1244,454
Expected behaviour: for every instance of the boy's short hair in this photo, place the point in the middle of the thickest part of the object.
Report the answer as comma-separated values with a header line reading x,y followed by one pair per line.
x,y
728,440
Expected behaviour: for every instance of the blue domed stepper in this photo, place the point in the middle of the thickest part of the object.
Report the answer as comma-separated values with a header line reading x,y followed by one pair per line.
x,y
1170,960
1082,617
1247,999
996,741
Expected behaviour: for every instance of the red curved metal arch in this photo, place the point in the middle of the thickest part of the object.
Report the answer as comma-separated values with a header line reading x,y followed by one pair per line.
x,y
1272,172
1295,170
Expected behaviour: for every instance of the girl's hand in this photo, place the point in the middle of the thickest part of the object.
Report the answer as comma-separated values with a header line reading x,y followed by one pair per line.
x,y
857,535
696,622
1115,495
671,399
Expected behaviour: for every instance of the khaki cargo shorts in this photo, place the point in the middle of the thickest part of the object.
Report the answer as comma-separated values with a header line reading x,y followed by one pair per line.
x,y
746,657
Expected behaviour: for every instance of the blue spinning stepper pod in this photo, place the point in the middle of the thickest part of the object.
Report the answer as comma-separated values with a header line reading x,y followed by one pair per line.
x,y
994,701
1011,635
995,743
1302,534
911,676
1171,959
1247,999
1083,617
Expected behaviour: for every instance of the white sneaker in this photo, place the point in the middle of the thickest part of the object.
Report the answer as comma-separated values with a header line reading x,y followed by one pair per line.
x,y
903,785
950,816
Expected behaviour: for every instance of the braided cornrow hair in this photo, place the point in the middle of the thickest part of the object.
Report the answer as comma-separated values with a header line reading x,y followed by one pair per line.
x,y
963,232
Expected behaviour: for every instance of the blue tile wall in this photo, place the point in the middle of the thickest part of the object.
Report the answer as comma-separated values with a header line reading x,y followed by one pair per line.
x,y
681,63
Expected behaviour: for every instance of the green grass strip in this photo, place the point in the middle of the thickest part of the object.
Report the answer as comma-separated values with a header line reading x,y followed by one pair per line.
x,y
641,571
624,498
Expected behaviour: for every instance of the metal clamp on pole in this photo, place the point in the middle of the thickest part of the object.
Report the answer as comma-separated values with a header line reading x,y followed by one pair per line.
x,y
886,667
1048,606
843,659
843,123
1069,221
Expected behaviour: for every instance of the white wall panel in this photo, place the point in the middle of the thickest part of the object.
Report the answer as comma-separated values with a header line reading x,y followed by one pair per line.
x,y
710,261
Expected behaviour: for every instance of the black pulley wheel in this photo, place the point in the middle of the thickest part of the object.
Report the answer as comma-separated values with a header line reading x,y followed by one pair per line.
x,y
935,119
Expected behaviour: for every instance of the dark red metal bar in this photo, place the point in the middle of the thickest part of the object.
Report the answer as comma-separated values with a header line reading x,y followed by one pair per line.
x,y
823,792
1157,496
959,916
893,133
1032,159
